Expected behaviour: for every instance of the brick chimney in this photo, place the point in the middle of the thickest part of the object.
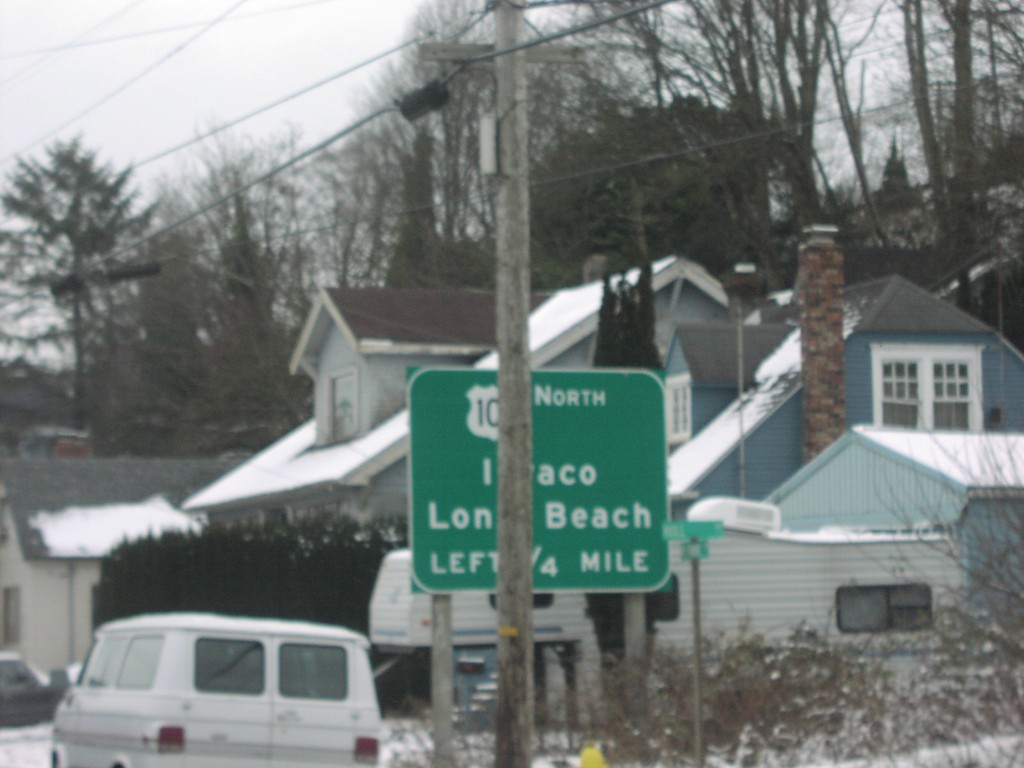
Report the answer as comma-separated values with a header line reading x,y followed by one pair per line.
x,y
820,298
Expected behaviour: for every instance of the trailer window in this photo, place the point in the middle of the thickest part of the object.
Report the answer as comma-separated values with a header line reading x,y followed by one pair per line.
x,y
881,608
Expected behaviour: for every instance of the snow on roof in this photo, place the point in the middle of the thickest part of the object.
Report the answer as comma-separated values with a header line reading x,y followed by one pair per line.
x,y
290,463
841,535
92,532
693,460
215,622
294,462
973,459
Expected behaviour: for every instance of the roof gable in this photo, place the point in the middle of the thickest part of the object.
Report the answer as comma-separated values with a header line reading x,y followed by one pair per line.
x,y
418,317
896,305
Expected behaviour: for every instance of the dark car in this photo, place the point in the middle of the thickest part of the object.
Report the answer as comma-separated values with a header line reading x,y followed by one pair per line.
x,y
24,698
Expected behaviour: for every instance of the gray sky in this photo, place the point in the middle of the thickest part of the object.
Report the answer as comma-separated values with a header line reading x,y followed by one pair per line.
x,y
134,78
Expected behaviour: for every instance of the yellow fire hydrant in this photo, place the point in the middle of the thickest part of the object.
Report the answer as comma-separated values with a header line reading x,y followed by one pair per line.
x,y
591,756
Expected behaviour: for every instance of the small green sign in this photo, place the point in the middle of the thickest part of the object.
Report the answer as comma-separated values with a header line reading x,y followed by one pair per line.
x,y
684,530
600,492
695,549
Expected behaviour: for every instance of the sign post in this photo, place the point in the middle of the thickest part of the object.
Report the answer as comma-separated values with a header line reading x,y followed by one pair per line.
x,y
693,537
600,495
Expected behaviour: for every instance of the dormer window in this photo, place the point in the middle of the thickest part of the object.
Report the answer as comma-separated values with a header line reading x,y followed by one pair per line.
x,y
678,424
934,388
344,409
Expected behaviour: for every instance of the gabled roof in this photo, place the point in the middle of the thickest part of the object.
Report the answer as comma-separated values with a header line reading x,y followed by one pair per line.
x,y
37,490
384,319
711,350
972,459
295,463
890,304
894,304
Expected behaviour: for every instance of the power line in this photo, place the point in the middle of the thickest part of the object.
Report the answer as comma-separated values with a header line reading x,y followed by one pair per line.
x,y
304,155
274,104
80,42
55,52
128,83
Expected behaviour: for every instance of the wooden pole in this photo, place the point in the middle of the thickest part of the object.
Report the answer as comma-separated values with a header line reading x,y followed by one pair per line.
x,y
515,481
441,680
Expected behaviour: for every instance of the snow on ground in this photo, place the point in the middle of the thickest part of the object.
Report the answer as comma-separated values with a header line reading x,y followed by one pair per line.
x,y
30,748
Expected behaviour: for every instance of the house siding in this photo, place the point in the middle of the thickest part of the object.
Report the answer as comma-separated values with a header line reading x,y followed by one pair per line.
x,y
1003,372
707,402
772,453
860,486
56,605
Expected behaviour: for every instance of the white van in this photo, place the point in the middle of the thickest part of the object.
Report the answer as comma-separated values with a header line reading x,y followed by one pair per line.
x,y
179,690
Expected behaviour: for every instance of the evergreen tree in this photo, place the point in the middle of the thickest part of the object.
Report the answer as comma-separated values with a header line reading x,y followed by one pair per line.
x,y
73,214
625,339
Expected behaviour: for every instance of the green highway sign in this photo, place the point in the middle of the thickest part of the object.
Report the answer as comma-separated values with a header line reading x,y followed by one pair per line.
x,y
600,491
675,530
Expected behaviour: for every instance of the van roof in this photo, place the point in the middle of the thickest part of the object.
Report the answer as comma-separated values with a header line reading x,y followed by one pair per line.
x,y
213,622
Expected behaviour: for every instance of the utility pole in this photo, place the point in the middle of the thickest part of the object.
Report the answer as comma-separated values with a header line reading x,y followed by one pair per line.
x,y
515,444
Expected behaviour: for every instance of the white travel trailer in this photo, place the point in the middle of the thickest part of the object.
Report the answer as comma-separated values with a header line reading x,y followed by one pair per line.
x,y
400,619
838,582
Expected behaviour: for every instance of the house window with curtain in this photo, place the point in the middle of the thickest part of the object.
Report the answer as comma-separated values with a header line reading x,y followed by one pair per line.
x,y
927,388
677,409
344,405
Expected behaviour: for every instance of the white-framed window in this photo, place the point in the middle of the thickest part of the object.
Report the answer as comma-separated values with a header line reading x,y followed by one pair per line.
x,y
921,387
343,405
678,424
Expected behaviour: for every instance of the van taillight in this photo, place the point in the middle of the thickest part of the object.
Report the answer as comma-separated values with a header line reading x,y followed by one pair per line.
x,y
366,749
171,739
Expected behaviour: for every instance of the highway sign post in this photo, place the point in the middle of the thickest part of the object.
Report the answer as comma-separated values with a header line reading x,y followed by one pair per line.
x,y
600,494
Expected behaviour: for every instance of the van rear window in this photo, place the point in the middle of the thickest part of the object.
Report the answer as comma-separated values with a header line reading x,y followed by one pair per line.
x,y
229,666
313,671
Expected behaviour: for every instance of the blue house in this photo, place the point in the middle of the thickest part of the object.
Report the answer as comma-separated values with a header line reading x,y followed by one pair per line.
x,y
883,353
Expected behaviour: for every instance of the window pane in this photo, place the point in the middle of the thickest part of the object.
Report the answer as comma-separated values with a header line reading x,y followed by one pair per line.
x,y
951,416
103,662
139,668
229,666
902,607
313,671
952,396
343,406
12,615
911,606
861,609
899,415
